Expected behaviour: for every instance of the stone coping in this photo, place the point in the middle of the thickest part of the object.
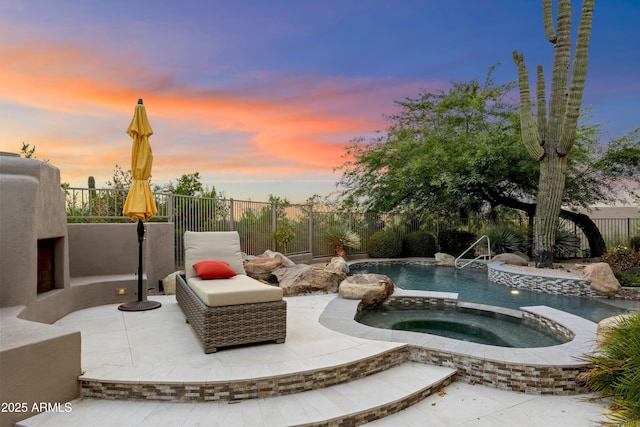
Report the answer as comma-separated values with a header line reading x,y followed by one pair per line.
x,y
339,316
543,370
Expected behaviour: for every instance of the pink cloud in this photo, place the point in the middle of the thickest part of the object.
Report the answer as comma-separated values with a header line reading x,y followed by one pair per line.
x,y
77,106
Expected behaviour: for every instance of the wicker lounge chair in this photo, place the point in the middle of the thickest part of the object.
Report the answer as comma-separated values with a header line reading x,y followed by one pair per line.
x,y
227,312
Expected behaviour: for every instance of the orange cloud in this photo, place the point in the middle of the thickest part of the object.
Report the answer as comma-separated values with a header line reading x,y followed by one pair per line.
x,y
77,105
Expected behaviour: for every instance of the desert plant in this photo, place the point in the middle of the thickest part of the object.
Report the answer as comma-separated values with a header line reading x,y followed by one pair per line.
x,y
385,244
615,370
623,259
285,233
567,243
506,239
419,244
340,238
454,242
627,279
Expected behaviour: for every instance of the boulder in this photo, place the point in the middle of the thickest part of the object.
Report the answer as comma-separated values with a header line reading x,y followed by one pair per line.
x,y
356,286
262,268
444,259
303,279
512,259
169,283
605,324
339,264
602,279
271,254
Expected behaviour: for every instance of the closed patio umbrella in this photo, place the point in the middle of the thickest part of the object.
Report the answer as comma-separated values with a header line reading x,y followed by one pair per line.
x,y
140,205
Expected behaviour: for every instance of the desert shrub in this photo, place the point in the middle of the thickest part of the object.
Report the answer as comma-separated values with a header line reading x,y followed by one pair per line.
x,y
635,243
627,279
623,259
615,370
454,242
385,244
625,264
420,244
567,243
505,239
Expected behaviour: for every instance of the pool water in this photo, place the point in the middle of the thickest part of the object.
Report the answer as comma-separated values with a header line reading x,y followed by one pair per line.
x,y
473,285
462,324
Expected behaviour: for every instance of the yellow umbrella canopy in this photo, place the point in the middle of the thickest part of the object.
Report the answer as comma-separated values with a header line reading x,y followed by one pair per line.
x,y
140,204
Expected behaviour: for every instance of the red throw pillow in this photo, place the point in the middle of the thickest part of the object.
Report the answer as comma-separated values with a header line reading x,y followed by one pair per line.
x,y
213,270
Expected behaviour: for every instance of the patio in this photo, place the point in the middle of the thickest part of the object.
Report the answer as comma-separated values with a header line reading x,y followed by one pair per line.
x,y
158,348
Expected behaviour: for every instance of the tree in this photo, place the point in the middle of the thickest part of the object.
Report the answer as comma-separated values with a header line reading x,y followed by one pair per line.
x,y
28,152
121,179
459,152
446,150
549,140
187,185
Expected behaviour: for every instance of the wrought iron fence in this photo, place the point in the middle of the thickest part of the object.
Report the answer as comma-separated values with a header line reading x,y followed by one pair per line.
x,y
292,228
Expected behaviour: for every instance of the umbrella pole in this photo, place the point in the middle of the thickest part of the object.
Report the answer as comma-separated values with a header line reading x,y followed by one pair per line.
x,y
140,240
139,305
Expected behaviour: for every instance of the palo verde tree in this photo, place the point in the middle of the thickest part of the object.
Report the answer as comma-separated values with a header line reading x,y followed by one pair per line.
x,y
550,138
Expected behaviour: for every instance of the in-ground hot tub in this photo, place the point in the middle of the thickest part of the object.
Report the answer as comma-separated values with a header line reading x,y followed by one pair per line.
x,y
467,322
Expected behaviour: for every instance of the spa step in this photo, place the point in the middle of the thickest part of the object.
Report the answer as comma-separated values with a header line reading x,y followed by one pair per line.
x,y
352,403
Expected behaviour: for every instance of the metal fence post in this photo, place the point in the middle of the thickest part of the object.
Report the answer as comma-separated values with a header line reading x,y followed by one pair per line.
x,y
274,226
231,216
311,230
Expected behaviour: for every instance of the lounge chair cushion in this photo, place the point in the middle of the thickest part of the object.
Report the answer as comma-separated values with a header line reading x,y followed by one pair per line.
x,y
237,290
208,270
213,245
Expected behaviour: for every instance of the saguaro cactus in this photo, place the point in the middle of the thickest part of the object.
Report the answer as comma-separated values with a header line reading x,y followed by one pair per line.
x,y
549,139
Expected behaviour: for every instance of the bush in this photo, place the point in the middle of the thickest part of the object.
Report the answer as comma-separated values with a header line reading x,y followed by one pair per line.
x,y
419,244
567,244
505,239
625,264
454,242
385,244
623,259
635,243
627,279
615,370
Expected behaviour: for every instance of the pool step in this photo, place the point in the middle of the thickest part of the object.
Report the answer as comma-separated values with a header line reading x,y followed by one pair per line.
x,y
353,403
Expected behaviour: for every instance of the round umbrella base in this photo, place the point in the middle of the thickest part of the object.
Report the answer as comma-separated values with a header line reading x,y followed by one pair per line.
x,y
139,306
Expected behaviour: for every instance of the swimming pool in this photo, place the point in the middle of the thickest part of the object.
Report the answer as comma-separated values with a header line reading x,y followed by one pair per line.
x,y
473,286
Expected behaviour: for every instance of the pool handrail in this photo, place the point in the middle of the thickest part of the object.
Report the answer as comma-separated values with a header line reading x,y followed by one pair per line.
x,y
483,256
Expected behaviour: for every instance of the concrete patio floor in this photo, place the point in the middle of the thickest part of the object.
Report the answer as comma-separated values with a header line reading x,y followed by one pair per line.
x,y
158,345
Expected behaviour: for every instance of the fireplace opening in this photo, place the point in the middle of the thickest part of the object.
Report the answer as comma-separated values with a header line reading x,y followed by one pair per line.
x,y
46,265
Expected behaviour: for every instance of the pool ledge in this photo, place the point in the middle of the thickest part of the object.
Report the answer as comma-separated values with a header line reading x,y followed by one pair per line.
x,y
542,370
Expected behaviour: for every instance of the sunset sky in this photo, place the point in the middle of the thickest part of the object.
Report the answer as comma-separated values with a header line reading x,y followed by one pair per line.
x,y
260,97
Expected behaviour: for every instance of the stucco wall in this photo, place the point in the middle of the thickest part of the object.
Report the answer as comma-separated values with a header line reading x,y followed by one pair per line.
x,y
103,249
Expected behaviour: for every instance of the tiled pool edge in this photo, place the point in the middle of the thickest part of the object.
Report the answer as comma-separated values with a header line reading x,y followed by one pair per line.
x,y
549,370
561,285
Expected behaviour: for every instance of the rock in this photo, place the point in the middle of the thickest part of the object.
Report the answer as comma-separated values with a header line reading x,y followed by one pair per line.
x,y
444,259
511,259
262,268
578,267
271,254
601,278
522,255
169,283
303,279
605,324
356,286
339,264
